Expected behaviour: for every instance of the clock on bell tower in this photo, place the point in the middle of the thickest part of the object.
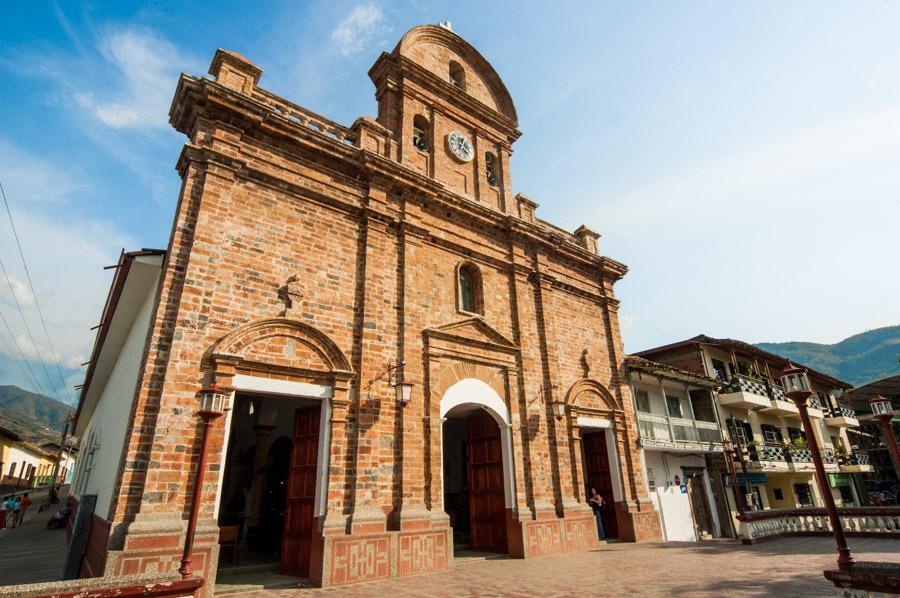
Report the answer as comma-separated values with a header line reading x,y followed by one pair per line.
x,y
452,118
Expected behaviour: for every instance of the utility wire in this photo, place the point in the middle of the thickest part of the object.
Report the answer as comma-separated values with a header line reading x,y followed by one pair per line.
x,y
28,330
18,353
37,303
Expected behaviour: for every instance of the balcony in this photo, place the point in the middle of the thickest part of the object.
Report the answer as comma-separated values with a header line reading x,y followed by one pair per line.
x,y
745,392
800,459
854,462
767,457
841,416
685,434
815,407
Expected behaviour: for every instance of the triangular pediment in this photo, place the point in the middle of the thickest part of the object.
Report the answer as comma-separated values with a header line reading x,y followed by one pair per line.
x,y
474,330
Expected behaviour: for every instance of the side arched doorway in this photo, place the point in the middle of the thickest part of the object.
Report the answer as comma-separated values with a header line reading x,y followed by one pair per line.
x,y
476,474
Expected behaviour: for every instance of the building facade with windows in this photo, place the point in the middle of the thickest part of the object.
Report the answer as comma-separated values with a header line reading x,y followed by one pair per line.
x,y
883,484
314,269
681,446
765,425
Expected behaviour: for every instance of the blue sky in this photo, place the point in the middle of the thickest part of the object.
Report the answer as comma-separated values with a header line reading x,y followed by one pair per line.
x,y
740,157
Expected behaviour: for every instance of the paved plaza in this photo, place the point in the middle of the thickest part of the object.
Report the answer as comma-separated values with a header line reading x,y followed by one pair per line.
x,y
787,567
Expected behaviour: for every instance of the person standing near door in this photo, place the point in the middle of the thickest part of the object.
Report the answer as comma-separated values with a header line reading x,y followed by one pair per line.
x,y
596,503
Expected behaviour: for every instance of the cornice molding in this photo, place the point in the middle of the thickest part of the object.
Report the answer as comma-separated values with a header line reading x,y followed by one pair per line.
x,y
204,93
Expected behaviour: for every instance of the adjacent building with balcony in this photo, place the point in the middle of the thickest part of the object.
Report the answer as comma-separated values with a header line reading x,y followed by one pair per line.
x,y
679,431
772,454
883,483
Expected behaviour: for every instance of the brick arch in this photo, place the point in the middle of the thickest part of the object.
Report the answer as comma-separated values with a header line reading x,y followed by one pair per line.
x,y
590,394
316,343
460,370
424,40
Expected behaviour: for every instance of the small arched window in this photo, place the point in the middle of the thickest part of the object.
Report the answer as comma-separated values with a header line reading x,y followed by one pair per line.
x,y
490,162
457,75
420,133
471,297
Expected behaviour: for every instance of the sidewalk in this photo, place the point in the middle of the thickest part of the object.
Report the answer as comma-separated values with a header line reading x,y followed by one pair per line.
x,y
31,553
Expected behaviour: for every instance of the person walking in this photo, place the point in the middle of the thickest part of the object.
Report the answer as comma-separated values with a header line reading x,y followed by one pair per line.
x,y
10,504
3,513
26,502
17,506
597,503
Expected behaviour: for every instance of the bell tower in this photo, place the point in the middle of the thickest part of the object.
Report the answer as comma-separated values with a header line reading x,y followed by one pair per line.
x,y
450,113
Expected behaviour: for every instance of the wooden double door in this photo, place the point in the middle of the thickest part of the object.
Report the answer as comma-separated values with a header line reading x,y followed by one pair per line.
x,y
299,518
598,474
487,505
700,507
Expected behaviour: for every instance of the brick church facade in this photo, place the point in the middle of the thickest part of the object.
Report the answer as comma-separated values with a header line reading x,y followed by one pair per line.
x,y
307,262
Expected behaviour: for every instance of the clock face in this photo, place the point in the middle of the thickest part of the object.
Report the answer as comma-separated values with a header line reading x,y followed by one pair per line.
x,y
460,146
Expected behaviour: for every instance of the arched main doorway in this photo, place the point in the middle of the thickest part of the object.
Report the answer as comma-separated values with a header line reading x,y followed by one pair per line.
x,y
476,476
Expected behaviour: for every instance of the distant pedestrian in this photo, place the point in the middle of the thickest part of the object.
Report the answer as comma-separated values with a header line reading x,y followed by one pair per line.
x,y
26,502
3,514
17,507
10,504
597,503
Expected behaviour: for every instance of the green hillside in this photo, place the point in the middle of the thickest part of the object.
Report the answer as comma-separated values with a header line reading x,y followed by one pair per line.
x,y
31,415
862,358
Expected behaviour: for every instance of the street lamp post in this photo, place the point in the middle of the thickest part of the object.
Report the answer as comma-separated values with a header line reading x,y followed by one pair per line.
x,y
212,403
884,413
798,389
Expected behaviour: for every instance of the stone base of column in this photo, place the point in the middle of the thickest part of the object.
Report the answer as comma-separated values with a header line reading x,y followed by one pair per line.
x,y
364,555
153,544
638,522
575,532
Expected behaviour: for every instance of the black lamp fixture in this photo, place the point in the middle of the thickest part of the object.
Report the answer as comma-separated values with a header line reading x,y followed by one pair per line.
x,y
394,374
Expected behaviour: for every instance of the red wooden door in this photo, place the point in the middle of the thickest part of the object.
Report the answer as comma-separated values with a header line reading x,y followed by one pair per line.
x,y
296,538
598,475
487,508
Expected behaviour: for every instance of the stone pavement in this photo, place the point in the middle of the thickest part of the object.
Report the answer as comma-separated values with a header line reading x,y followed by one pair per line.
x,y
784,568
31,553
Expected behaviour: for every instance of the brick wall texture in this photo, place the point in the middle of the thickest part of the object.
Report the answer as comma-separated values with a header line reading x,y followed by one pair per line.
x,y
306,251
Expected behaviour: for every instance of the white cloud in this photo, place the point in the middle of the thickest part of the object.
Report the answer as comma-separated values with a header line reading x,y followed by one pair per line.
x,y
19,292
357,31
125,81
626,323
32,178
146,67
763,174
66,252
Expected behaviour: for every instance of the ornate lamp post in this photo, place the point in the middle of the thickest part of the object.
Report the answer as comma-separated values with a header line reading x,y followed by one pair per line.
x,y
212,404
884,413
798,389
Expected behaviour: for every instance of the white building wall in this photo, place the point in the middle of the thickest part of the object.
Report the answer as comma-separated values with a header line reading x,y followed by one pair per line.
x,y
673,506
104,437
18,455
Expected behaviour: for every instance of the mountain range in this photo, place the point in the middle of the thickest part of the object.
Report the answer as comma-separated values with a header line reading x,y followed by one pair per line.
x,y
859,359
32,416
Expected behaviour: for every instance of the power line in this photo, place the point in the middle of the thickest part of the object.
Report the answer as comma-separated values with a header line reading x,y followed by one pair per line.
x,y
37,303
18,352
27,329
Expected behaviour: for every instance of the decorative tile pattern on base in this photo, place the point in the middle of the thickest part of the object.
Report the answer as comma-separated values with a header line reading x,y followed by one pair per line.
x,y
360,559
421,552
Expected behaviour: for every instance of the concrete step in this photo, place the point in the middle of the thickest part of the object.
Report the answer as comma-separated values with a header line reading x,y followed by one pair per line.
x,y
261,579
